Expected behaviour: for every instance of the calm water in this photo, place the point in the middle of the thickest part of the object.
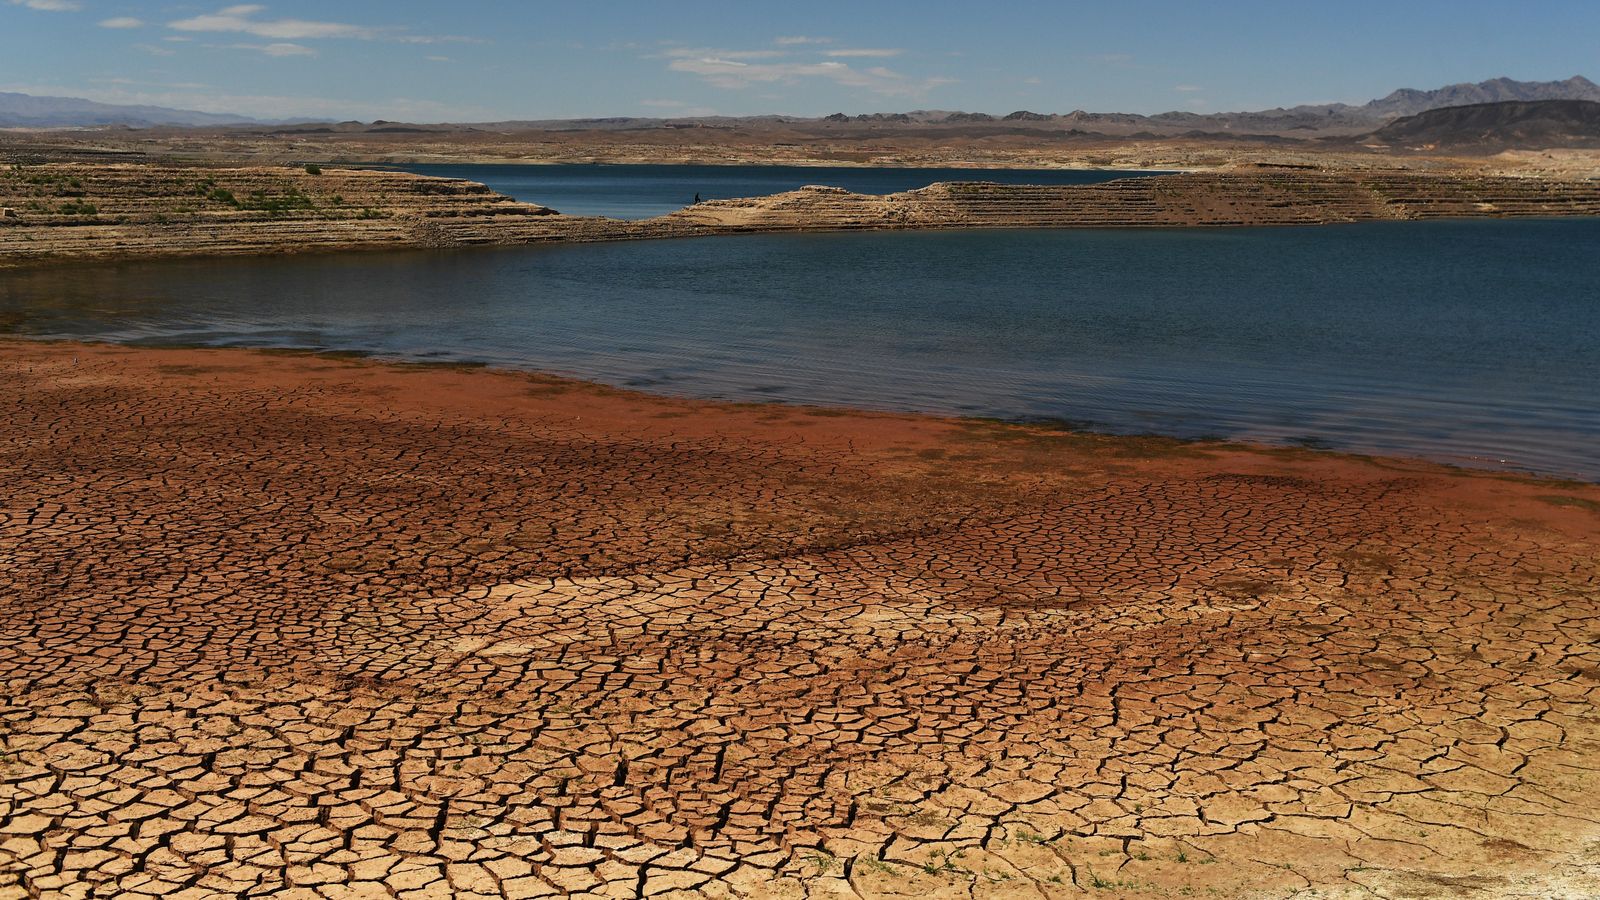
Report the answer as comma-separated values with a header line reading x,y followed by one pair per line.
x,y
1473,341
639,192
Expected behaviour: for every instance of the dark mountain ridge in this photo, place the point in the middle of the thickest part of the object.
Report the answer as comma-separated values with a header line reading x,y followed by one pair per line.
x,y
1408,102
1544,123
1333,120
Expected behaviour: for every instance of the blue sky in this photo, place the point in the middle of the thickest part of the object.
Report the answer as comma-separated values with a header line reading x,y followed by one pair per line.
x,y
474,60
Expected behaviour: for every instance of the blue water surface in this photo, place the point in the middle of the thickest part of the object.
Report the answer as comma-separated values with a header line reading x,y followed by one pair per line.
x,y
642,191
1466,341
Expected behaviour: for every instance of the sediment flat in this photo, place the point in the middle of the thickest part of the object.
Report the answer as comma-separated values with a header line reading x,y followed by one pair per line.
x,y
292,625
77,211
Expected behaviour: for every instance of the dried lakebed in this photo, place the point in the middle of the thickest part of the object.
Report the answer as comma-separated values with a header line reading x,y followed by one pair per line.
x,y
295,626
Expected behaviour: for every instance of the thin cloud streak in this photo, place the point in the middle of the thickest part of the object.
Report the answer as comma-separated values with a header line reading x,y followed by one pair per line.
x,y
732,74
242,19
276,49
695,52
50,5
238,19
865,52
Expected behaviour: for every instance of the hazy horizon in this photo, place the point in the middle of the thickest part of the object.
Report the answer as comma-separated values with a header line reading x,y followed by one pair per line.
x,y
480,62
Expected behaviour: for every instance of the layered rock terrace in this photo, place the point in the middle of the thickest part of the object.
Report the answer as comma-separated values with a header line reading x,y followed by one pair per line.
x,y
89,210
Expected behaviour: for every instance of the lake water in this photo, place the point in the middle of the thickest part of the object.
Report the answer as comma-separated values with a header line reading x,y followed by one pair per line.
x,y
639,192
1468,341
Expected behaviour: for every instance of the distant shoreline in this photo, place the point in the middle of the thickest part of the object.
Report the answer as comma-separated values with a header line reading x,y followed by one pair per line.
x,y
63,212
1020,166
1110,440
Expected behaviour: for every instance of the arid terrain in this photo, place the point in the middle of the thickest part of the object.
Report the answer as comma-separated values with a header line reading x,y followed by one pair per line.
x,y
300,626
829,144
73,211
308,626
220,190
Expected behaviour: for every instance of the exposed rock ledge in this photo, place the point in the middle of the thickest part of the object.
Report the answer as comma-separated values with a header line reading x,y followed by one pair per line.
x,y
77,211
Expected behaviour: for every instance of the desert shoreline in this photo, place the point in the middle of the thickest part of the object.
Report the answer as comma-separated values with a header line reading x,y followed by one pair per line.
x,y
1036,425
135,211
289,619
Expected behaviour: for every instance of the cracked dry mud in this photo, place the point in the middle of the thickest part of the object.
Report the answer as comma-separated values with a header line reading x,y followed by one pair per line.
x,y
288,626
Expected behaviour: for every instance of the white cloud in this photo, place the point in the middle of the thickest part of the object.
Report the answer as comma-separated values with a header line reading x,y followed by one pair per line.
x,y
245,19
691,52
435,39
863,52
1188,88
439,59
122,22
723,70
792,40
276,49
50,5
154,50
240,19
182,85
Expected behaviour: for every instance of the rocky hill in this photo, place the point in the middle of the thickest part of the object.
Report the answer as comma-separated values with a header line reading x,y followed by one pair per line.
x,y
28,111
1408,102
1496,126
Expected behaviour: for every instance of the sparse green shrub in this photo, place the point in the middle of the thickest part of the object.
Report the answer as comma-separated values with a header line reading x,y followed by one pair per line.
x,y
823,860
291,199
875,864
313,169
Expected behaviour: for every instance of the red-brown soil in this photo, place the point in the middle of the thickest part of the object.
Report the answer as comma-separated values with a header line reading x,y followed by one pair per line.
x,y
295,626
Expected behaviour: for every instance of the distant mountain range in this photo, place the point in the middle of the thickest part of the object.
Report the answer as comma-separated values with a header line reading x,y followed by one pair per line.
x,y
1340,119
1498,125
1333,119
1407,102
28,111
